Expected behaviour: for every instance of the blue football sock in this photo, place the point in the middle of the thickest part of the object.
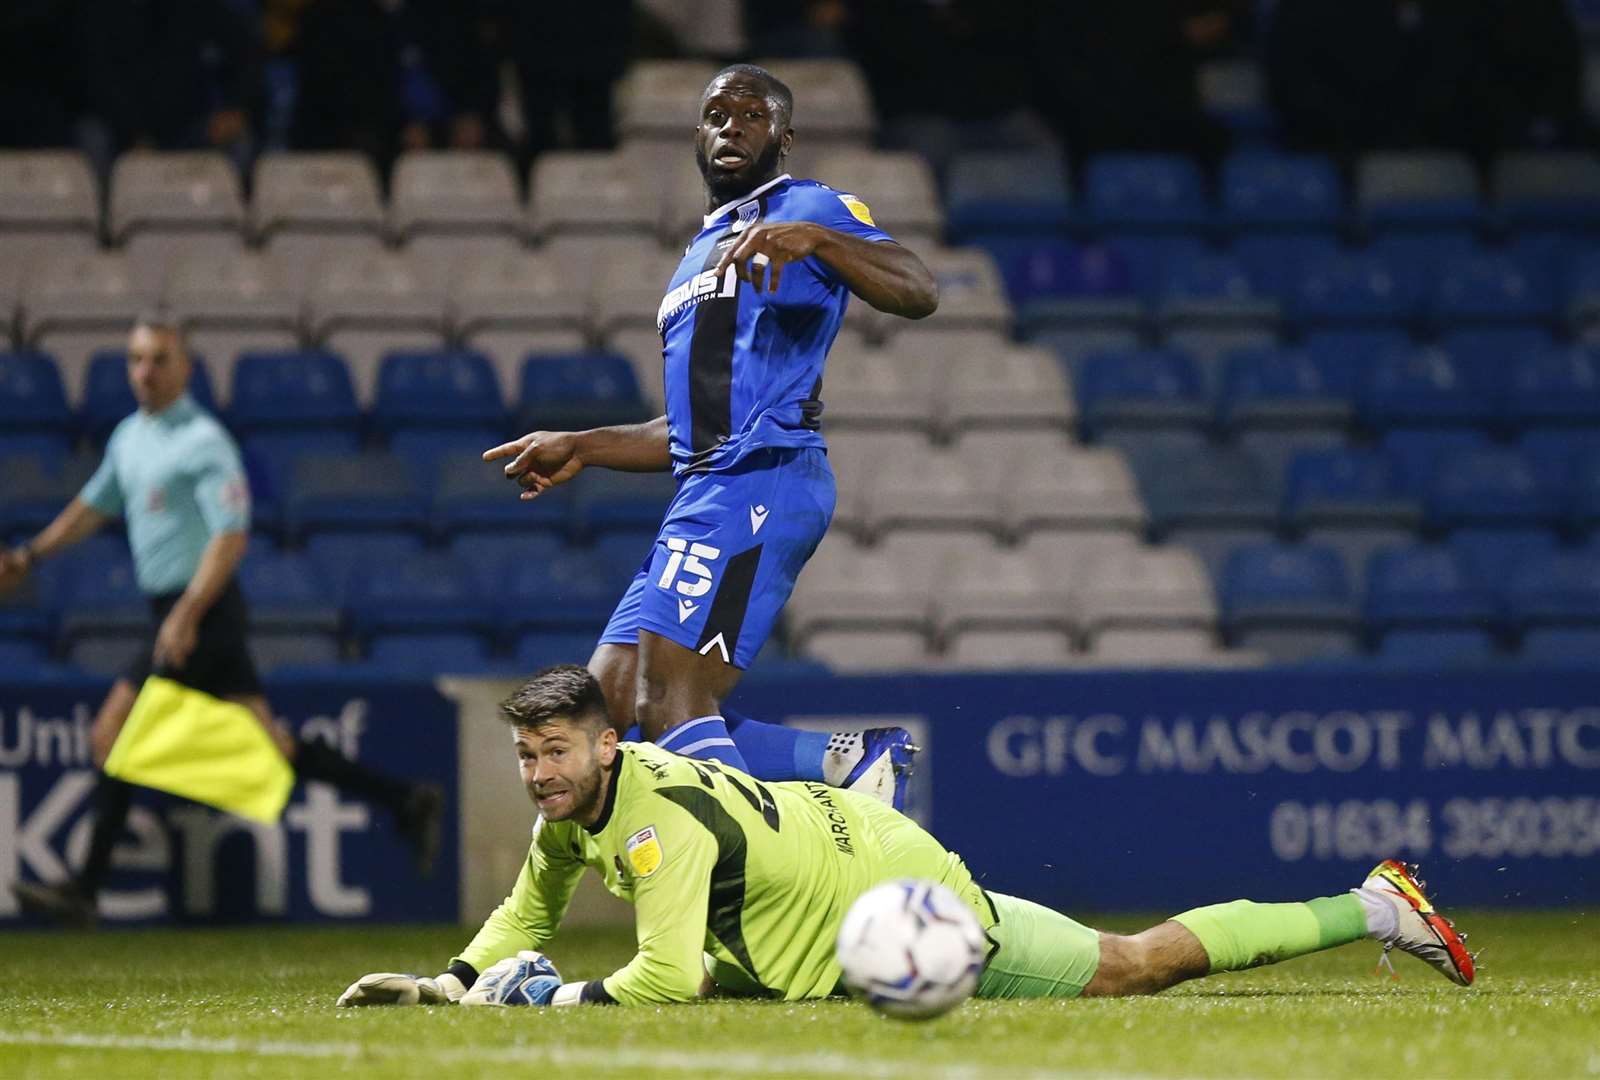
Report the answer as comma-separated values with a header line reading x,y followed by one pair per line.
x,y
633,734
705,738
776,752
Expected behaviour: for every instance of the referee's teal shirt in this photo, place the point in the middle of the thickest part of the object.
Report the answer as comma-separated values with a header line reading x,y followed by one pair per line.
x,y
177,477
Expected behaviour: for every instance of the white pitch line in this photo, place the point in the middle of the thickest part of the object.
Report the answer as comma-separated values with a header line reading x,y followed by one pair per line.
x,y
614,1058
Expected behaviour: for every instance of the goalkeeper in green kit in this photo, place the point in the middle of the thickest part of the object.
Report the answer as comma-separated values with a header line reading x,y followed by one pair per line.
x,y
740,887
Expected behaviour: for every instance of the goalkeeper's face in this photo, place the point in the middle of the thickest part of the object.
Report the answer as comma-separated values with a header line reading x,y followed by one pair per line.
x,y
564,767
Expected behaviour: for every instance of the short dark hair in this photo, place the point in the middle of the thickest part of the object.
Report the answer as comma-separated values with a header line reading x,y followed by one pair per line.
x,y
162,318
779,91
562,693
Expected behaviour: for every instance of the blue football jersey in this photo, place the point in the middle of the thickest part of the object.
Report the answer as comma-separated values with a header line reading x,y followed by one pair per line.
x,y
743,368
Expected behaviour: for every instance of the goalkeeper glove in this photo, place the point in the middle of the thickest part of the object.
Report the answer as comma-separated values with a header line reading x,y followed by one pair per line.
x,y
393,988
528,978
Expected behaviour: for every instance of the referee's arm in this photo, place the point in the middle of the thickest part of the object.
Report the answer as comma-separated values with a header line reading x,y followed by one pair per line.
x,y
180,629
77,521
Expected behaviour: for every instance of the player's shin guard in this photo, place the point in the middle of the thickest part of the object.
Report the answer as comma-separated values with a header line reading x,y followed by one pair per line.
x,y
1245,934
705,738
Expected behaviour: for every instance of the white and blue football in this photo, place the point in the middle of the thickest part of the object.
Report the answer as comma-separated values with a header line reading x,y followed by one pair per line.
x,y
911,949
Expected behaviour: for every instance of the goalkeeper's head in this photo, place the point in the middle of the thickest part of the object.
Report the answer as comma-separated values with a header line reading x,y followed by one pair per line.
x,y
566,743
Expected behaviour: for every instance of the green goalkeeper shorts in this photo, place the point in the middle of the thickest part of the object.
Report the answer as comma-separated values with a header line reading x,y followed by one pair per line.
x,y
1040,952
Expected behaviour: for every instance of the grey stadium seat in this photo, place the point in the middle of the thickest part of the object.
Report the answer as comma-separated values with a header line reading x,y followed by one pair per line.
x,y
1008,650
452,208
49,207
510,305
682,206
898,188
1156,647
368,306
994,587
832,103
233,304
1048,483
166,204
1146,588
887,483
1006,388
870,650
926,561
972,295
590,191
657,99
75,305
627,292
588,256
304,203
642,349
1551,176
880,389
846,585
1413,176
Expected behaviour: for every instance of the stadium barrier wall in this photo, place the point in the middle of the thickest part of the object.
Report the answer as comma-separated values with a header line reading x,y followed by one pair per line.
x,y
1087,791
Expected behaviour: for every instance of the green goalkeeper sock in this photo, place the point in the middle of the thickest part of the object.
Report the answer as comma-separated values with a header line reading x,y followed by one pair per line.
x,y
1245,934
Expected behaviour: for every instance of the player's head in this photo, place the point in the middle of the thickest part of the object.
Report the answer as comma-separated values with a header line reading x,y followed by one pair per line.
x,y
744,132
158,360
565,741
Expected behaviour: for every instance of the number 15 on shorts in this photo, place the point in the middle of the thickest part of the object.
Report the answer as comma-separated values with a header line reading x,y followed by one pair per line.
x,y
686,567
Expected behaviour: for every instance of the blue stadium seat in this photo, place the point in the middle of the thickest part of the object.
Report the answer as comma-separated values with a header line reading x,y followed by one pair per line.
x,y
1142,388
1149,256
1554,386
270,459
1427,386
1349,500
1562,646
1491,487
1291,601
1345,357
107,397
1425,585
1145,192
624,552
1582,290
1056,285
1418,258
1583,483
429,592
427,449
1557,451
1417,452
1491,289
99,595
358,491
1280,192
1561,589
294,653
1488,348
538,649
1276,260
1006,193
437,390
430,653
293,390
490,555
20,657
1213,291
578,390
337,555
1276,388
609,501
32,399
1208,501
470,494
571,592
1437,648
35,487
25,614
1487,553
1351,291
286,592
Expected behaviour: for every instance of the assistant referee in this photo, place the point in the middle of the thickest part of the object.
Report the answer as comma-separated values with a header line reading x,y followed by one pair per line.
x,y
175,474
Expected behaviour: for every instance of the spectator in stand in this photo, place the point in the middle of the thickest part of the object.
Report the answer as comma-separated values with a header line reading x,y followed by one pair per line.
x,y
167,74
382,76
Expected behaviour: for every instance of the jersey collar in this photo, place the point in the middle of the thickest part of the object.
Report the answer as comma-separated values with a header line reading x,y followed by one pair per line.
x,y
181,409
728,208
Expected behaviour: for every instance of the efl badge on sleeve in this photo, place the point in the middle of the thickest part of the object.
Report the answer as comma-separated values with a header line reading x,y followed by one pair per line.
x,y
858,210
644,852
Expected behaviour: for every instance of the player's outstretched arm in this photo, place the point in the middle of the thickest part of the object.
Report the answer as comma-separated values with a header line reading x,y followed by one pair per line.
x,y
542,459
884,274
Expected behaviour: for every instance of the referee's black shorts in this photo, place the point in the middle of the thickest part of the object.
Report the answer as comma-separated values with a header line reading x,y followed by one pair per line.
x,y
220,664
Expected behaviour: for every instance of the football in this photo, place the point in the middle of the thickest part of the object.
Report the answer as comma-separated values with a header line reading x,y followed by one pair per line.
x,y
912,949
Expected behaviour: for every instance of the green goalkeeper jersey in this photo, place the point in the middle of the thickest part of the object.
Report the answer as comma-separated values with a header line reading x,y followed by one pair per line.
x,y
759,875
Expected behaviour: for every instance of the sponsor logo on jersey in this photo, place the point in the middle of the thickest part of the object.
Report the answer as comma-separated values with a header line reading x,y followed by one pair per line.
x,y
758,518
644,851
703,286
858,210
686,608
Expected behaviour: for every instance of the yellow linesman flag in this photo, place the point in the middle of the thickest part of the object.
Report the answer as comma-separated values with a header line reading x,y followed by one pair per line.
x,y
186,742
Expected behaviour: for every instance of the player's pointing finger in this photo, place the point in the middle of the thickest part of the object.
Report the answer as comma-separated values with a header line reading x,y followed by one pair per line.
x,y
503,450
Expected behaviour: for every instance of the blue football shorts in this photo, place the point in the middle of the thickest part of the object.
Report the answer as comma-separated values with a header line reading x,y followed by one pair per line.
x,y
729,551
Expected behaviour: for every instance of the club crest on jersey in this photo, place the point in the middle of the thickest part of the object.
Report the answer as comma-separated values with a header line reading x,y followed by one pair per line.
x,y
703,286
747,215
644,851
858,210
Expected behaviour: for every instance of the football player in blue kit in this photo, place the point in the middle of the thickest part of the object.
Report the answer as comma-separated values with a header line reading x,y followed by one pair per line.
x,y
746,324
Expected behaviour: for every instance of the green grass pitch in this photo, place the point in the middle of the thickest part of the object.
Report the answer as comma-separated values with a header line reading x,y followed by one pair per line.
x,y
259,1003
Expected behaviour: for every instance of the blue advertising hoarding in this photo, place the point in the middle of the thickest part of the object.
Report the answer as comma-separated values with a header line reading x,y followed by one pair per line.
x,y
332,856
